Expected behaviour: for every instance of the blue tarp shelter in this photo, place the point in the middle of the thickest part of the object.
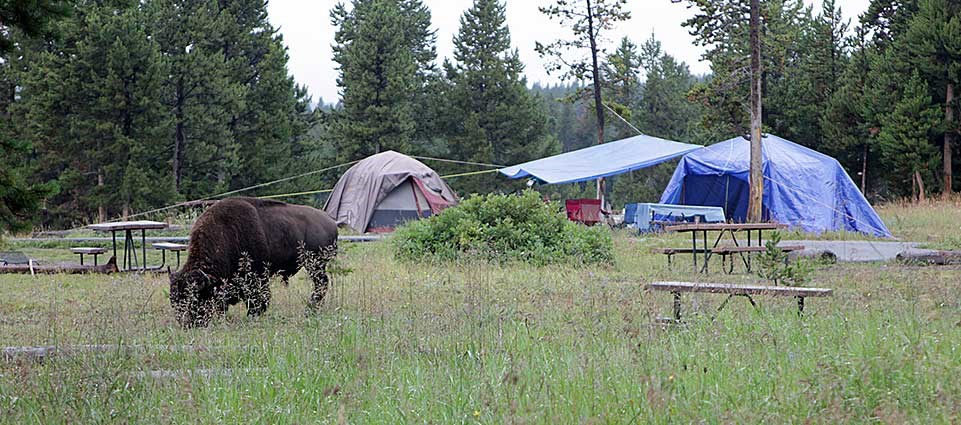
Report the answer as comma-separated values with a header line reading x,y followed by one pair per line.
x,y
802,187
603,160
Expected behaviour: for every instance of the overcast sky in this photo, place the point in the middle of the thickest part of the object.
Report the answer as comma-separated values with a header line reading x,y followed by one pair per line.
x,y
308,34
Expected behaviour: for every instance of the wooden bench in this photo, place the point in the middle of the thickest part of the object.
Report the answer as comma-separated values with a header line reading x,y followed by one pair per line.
x,y
169,246
88,251
671,252
723,251
676,288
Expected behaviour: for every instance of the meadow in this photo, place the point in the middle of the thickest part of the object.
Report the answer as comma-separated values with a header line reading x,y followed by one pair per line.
x,y
475,342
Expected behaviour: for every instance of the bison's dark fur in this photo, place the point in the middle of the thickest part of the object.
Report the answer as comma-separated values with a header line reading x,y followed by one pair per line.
x,y
273,236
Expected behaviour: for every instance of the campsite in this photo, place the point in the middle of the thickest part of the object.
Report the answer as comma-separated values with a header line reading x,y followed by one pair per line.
x,y
489,211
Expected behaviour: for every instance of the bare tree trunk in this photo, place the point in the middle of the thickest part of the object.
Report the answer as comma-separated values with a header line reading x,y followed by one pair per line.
x,y
917,177
948,136
180,138
756,196
101,210
598,102
914,189
864,170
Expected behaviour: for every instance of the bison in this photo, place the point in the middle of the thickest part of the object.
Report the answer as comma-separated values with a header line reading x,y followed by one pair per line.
x,y
238,244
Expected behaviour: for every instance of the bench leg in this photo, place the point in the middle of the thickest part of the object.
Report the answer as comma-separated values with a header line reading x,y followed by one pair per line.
x,y
81,259
95,260
178,260
723,304
728,268
754,304
677,306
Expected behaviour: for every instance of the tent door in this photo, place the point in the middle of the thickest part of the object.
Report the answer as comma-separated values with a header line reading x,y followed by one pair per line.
x,y
401,205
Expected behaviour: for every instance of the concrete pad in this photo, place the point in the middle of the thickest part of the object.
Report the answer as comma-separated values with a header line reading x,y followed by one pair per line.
x,y
858,251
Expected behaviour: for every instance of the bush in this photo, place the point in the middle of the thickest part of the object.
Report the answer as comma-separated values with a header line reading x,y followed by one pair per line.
x,y
503,228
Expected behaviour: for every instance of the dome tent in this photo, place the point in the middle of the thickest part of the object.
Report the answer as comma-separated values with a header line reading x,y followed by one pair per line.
x,y
385,190
803,188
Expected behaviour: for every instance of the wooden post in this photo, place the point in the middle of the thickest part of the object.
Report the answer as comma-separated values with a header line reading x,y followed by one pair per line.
x,y
756,196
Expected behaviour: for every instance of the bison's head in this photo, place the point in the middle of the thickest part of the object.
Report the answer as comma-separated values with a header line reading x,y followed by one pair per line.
x,y
192,296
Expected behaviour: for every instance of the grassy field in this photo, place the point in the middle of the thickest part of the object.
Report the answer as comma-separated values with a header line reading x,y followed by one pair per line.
x,y
479,343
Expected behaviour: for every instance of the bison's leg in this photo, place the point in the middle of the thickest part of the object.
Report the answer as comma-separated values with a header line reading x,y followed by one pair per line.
x,y
318,275
258,296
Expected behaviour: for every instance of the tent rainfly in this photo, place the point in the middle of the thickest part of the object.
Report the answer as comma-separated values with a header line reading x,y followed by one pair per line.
x,y
803,188
386,190
608,159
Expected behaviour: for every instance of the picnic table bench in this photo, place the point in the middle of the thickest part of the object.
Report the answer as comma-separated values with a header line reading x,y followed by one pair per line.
x,y
94,251
676,288
169,246
723,251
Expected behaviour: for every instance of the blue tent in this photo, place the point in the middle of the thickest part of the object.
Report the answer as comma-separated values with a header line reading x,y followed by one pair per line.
x,y
603,160
802,187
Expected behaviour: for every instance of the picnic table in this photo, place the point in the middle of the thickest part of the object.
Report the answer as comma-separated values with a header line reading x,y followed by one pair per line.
x,y
731,229
129,246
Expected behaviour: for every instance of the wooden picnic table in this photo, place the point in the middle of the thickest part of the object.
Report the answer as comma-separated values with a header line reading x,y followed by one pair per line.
x,y
729,228
129,247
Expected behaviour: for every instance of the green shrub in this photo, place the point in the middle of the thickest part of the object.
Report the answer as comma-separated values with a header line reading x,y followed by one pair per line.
x,y
503,228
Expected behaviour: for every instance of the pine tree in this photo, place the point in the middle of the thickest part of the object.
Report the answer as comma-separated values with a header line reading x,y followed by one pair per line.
x,y
201,94
885,20
96,114
382,53
272,115
621,71
19,200
801,94
931,44
844,126
492,116
903,140
664,110
32,19
722,27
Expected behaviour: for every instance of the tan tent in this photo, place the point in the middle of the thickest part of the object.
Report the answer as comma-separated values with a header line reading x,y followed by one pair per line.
x,y
386,190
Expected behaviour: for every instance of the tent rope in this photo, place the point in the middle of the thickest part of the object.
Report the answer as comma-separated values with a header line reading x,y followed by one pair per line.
x,y
454,161
312,192
273,182
622,119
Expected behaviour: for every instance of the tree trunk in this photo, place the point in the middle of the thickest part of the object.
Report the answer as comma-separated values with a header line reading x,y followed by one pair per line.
x,y
864,170
917,177
756,178
948,136
180,137
596,76
101,210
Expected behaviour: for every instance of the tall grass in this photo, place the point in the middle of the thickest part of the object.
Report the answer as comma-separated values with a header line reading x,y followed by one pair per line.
x,y
473,342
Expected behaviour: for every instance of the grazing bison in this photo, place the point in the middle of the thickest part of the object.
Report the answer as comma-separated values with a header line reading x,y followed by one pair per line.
x,y
237,244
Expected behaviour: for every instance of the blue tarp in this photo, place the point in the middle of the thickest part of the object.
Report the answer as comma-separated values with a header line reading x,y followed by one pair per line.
x,y
802,188
603,160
